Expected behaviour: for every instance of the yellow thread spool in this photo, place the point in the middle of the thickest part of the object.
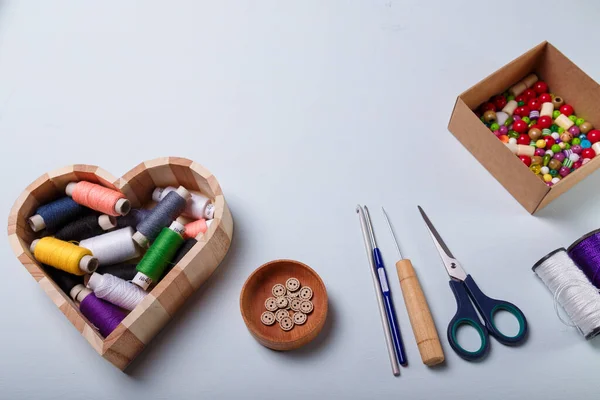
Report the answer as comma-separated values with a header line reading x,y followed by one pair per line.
x,y
64,255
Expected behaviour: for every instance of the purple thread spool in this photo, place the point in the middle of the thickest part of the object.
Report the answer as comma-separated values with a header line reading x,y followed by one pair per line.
x,y
585,251
105,316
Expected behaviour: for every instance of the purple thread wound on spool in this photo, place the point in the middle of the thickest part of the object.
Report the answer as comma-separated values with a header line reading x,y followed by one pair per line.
x,y
105,316
586,254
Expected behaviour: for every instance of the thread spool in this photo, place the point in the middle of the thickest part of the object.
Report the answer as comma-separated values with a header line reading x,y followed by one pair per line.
x,y
53,215
125,271
196,228
64,255
116,291
165,212
585,252
183,250
564,122
133,218
510,107
547,110
198,206
112,247
86,227
159,255
65,281
99,198
105,316
571,290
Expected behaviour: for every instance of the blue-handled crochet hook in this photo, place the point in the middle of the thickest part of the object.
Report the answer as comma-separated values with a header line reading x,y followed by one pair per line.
x,y
387,296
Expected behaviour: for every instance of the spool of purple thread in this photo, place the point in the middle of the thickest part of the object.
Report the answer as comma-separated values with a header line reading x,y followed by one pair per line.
x,y
105,316
585,251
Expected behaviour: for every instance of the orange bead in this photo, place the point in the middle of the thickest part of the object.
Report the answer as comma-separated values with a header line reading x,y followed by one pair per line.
x,y
503,138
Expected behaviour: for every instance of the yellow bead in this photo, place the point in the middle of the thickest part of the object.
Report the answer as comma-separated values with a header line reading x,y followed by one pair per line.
x,y
547,177
540,144
536,168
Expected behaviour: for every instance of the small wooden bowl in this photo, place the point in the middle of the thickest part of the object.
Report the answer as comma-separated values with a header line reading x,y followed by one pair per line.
x,y
258,288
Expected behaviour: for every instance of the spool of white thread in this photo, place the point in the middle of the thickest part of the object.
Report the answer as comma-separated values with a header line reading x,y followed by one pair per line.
x,y
198,207
116,290
113,247
571,290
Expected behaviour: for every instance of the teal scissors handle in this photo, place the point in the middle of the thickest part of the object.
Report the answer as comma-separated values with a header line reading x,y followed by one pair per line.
x,y
464,293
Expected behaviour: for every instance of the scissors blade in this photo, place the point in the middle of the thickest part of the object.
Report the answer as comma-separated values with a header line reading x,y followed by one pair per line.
x,y
452,265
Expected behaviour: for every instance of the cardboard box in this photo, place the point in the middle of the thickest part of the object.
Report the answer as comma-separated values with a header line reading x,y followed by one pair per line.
x,y
565,79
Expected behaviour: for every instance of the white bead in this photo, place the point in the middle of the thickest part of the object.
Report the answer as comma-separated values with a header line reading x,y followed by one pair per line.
x,y
555,135
501,117
547,109
562,145
545,170
549,152
555,180
512,140
574,157
586,160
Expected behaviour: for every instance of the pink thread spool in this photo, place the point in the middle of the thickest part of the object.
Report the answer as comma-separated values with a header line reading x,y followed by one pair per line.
x,y
195,228
99,198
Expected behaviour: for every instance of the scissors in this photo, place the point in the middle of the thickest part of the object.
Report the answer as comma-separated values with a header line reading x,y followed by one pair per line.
x,y
467,293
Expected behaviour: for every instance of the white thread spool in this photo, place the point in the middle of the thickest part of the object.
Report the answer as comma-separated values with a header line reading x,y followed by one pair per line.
x,y
564,122
547,110
510,107
116,290
87,264
198,207
571,290
112,247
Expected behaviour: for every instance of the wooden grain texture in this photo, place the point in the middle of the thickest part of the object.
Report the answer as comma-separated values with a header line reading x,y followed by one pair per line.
x,y
150,316
257,289
419,314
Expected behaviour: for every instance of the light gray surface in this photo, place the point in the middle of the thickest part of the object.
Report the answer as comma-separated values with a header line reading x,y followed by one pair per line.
x,y
301,109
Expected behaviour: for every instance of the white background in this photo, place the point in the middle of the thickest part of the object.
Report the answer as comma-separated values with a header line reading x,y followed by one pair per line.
x,y
301,109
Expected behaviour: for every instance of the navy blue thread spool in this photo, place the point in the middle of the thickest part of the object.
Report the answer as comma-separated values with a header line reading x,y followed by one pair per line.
x,y
53,215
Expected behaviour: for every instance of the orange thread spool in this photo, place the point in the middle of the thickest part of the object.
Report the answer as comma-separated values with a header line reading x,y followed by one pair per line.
x,y
195,228
99,198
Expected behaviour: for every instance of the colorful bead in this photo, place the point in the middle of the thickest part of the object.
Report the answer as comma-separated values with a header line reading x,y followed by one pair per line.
x,y
510,107
567,163
546,132
567,146
534,114
555,148
545,98
563,145
503,138
566,137
540,87
574,130
582,137
509,121
586,144
525,150
501,117
566,109
544,170
539,152
535,169
593,136
530,94
535,133
577,165
512,140
523,139
521,103
526,160
555,114
555,136
553,172
547,158
576,147
561,130
549,184
579,121
536,160
545,121
575,141
526,119
588,153
586,127
513,134
557,101
499,101
586,160
547,177
554,164
489,116
559,156
540,144
494,126
510,97
574,157
520,126
555,180
573,118
564,171
503,130
549,141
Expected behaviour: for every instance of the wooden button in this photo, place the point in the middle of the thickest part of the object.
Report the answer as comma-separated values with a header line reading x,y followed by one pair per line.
x,y
286,323
271,304
280,314
282,302
299,318
292,284
295,304
278,290
306,306
306,293
293,294
268,318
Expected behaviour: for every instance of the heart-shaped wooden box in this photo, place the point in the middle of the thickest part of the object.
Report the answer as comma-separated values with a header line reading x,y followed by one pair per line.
x,y
146,320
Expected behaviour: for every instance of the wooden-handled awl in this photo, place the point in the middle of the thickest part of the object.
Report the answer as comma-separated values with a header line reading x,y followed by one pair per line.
x,y
418,310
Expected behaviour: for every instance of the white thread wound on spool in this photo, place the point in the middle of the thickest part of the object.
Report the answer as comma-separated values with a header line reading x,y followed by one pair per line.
x,y
116,290
112,247
572,291
198,207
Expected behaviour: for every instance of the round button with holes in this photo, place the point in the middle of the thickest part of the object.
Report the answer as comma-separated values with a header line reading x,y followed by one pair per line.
x,y
306,293
282,302
292,284
271,304
295,304
306,306
286,323
278,290
268,318
280,314
299,318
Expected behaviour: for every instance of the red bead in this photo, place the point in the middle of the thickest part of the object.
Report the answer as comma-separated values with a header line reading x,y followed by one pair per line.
x,y
588,153
545,98
534,104
523,139
530,94
577,164
593,136
499,101
544,122
566,110
487,106
549,141
520,126
540,87
525,111
526,160
522,98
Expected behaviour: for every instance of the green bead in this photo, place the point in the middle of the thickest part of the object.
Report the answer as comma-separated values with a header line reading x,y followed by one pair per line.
x,y
547,159
532,123
521,103
555,114
567,146
494,127
579,121
553,172
573,118
481,119
508,121
510,97
575,141
526,119
513,134
555,148
554,128
561,130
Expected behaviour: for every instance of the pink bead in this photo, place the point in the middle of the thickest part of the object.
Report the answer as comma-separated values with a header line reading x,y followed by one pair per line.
x,y
503,130
577,149
549,183
540,152
577,165
497,133
516,118
574,130
564,171
559,156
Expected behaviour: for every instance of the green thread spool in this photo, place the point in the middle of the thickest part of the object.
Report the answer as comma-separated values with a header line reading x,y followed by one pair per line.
x,y
159,255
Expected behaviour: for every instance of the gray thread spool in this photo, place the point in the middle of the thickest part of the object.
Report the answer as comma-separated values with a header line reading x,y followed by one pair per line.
x,y
161,216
